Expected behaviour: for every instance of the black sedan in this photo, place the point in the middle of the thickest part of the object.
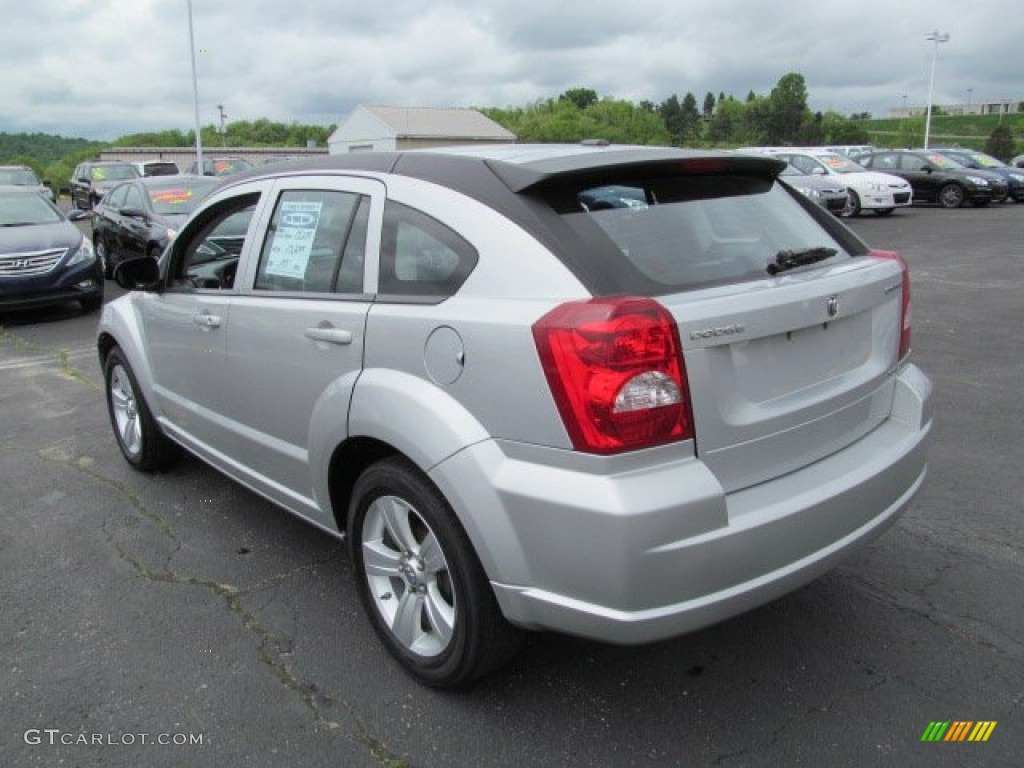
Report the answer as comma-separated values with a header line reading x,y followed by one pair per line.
x,y
139,217
936,178
44,258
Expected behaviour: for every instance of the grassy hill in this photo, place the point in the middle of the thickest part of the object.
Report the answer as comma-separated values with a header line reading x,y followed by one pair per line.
x,y
962,130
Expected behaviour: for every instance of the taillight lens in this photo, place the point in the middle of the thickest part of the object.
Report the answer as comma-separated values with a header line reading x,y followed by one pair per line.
x,y
616,372
904,299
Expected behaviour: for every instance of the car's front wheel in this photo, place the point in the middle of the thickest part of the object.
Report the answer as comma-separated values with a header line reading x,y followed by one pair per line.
x,y
138,436
852,204
420,580
951,196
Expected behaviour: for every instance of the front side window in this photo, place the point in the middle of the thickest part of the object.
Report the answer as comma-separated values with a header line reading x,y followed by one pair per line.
x,y
133,198
115,199
420,256
314,238
205,255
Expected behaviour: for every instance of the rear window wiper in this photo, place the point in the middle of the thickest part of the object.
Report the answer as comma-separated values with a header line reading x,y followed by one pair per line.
x,y
788,259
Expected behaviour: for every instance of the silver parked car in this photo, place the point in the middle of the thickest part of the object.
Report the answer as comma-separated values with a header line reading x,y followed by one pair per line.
x,y
621,393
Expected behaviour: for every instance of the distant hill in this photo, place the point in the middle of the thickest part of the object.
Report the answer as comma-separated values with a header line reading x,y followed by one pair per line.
x,y
43,148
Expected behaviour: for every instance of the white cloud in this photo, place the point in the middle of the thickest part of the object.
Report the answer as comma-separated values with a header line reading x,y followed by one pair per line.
x,y
104,68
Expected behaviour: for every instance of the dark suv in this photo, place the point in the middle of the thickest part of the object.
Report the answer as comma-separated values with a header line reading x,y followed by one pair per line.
x,y
935,178
91,180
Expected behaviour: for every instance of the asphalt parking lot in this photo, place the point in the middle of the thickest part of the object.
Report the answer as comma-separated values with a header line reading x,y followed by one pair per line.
x,y
177,619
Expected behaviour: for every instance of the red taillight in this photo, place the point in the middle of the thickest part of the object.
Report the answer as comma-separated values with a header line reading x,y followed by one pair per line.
x,y
616,371
904,299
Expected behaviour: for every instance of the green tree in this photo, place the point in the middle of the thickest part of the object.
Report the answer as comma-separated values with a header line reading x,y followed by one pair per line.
x,y
728,123
840,130
709,105
1000,143
787,109
671,112
581,97
690,119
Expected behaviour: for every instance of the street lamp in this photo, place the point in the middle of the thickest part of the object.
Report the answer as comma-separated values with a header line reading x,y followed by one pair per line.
x,y
195,90
936,38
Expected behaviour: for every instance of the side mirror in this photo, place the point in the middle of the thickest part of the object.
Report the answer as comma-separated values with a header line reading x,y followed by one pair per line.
x,y
133,213
141,274
928,168
817,171
77,214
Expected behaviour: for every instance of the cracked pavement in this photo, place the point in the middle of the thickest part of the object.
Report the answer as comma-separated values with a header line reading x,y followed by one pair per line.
x,y
180,603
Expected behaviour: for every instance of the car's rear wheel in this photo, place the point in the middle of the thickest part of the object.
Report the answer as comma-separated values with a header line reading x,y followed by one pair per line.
x,y
853,204
951,196
140,440
420,580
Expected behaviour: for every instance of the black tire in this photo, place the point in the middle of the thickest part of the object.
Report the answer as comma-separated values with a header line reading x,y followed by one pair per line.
x,y
425,591
91,304
883,211
952,196
141,442
853,205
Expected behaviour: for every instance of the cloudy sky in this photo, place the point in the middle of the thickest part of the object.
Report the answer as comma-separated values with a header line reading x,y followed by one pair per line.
x,y
100,69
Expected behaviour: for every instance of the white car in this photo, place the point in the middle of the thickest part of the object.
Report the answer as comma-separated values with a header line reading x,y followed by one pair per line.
x,y
869,190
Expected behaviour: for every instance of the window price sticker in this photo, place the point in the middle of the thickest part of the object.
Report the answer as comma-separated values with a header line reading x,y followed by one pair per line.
x,y
293,239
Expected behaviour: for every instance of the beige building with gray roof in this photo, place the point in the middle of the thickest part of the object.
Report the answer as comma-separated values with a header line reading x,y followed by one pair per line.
x,y
381,129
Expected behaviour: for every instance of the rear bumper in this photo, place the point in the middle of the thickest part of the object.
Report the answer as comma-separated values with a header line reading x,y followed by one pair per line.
x,y
645,547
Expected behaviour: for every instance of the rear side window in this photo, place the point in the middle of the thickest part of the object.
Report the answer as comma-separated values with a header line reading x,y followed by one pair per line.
x,y
420,256
315,243
676,233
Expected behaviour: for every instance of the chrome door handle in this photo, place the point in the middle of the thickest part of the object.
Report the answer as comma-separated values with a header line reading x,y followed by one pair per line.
x,y
330,335
207,321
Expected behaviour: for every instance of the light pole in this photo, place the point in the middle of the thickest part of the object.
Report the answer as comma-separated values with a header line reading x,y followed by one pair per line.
x,y
936,38
223,117
195,91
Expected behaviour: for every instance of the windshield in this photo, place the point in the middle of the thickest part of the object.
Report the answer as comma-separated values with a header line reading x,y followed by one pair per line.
x,y
24,209
226,167
113,172
987,161
179,198
18,177
684,232
839,164
944,163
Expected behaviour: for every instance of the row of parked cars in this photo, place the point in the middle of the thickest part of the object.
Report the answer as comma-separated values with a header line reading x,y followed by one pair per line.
x,y
91,180
136,209
883,180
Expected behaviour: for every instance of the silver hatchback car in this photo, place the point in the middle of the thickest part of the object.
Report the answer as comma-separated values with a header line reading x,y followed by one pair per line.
x,y
615,392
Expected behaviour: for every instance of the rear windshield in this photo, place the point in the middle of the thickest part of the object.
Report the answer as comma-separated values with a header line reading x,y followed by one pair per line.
x,y
677,233
160,169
